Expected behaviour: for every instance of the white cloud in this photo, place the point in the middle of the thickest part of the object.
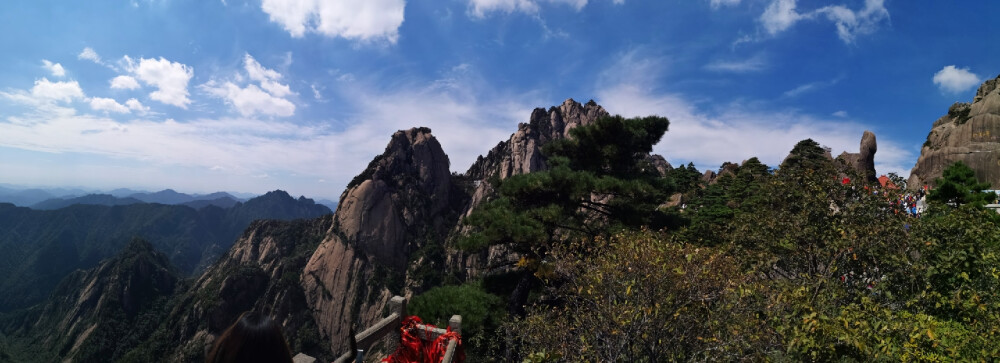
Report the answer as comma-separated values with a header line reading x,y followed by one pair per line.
x,y
61,91
720,3
268,78
135,105
107,105
91,55
266,99
250,100
350,19
124,82
752,64
780,15
170,78
56,68
954,80
851,23
841,114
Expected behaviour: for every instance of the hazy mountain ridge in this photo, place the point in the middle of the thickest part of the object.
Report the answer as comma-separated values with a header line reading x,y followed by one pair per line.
x,y
44,246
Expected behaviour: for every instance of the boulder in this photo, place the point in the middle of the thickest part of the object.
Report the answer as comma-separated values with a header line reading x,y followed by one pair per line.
x,y
862,162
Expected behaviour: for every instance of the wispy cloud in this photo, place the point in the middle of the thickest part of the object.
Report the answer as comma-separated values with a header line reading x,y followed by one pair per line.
x,y
720,3
811,87
753,64
481,8
781,15
734,131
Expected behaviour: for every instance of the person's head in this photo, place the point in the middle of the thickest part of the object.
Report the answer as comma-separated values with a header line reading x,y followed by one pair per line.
x,y
254,337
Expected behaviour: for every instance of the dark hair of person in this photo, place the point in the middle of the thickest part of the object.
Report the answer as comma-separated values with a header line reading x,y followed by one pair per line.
x,y
254,337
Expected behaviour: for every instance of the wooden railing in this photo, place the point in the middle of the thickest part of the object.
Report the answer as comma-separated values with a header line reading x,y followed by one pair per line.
x,y
389,327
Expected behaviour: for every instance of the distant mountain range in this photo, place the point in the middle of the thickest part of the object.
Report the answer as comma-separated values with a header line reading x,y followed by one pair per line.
x,y
40,247
55,198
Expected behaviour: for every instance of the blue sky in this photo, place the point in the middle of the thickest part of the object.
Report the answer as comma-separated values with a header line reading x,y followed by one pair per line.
x,y
251,96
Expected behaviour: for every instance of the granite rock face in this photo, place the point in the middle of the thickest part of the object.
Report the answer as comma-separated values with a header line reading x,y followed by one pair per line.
x,y
970,133
398,205
406,186
863,162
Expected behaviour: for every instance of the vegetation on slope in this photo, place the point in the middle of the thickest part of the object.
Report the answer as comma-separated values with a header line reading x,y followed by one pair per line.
x,y
779,265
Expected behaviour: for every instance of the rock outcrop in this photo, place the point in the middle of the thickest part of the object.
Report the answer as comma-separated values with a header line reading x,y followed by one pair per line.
x,y
969,133
862,162
401,203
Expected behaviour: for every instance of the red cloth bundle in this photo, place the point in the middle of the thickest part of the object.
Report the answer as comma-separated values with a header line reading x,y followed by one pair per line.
x,y
413,349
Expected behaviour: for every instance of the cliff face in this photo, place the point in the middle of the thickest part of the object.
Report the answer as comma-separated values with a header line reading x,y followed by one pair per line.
x,y
397,208
969,133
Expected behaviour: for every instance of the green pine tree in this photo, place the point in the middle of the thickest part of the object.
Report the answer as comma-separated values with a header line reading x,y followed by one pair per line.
x,y
959,186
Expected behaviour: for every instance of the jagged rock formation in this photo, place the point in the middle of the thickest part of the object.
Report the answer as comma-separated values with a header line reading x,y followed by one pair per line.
x,y
522,153
862,162
969,133
390,214
100,313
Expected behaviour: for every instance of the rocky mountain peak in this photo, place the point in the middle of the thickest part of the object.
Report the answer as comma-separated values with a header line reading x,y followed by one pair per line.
x,y
522,152
969,132
986,88
400,203
407,185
